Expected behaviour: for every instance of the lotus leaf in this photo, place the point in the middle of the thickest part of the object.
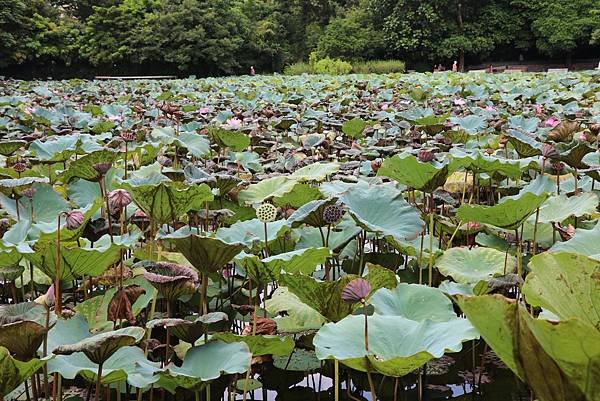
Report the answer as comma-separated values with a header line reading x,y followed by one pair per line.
x,y
469,266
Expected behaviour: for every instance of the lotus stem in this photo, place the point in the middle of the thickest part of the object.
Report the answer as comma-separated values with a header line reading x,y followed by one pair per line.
x,y
336,370
45,352
245,395
519,256
58,303
105,195
98,382
363,239
535,230
370,379
431,227
266,240
204,295
125,159
421,258
168,340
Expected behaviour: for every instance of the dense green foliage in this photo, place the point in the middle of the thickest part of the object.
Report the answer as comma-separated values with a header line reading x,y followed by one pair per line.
x,y
228,36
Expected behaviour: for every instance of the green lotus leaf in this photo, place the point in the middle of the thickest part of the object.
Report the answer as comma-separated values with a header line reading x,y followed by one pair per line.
x,y
196,328
557,360
84,166
166,202
339,236
23,328
100,347
116,368
197,145
298,196
260,345
8,147
9,257
266,189
479,163
301,261
95,310
422,319
567,284
315,172
234,140
13,372
57,149
559,208
252,232
75,261
311,213
584,242
408,170
17,185
471,265
354,128
525,145
297,316
574,152
205,363
326,296
205,252
382,209
47,205
508,214
301,360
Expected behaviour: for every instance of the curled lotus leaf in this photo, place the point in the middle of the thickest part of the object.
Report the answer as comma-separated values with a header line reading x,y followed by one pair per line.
x,y
102,346
13,372
172,280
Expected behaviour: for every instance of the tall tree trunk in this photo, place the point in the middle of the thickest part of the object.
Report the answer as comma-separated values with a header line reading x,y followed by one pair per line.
x,y
461,56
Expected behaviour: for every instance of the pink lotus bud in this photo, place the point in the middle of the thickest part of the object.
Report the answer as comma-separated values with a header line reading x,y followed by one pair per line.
x,y
118,199
356,291
102,168
74,219
47,299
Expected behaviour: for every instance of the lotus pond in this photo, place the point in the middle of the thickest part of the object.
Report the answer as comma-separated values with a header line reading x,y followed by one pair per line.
x,y
401,237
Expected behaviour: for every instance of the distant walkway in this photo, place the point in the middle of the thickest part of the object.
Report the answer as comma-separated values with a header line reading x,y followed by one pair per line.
x,y
131,78
534,66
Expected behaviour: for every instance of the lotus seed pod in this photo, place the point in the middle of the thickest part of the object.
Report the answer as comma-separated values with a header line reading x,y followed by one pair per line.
x,y
29,192
74,219
118,199
266,213
19,167
549,151
356,291
425,156
129,136
558,166
102,168
332,214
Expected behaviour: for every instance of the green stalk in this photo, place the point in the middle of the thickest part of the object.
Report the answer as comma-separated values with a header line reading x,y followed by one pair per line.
x,y
336,369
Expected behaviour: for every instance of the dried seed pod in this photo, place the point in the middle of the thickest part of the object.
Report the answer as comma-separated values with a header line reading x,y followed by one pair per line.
x,y
74,219
549,151
19,167
29,192
118,199
266,213
129,136
102,168
332,214
356,291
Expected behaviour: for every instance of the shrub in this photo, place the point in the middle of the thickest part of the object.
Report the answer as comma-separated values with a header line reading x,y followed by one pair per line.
x,y
379,67
297,69
332,66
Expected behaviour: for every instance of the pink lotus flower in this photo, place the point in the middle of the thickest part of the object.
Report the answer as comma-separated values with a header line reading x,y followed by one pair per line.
x,y
491,109
459,102
539,109
234,122
117,118
29,110
384,106
203,110
551,122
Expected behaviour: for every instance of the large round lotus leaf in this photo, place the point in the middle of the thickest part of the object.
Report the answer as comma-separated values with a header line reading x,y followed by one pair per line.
x,y
252,232
508,214
382,210
471,265
414,302
302,360
7,148
260,345
408,170
14,372
559,208
298,196
205,252
302,261
75,261
584,242
558,360
115,369
525,145
84,166
315,172
47,205
57,149
311,213
480,162
414,343
166,202
9,257
208,362
266,189
189,330
567,284
293,316
102,346
326,296
234,140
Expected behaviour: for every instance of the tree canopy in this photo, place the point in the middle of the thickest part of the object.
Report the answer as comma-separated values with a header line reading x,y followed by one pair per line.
x,y
228,36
